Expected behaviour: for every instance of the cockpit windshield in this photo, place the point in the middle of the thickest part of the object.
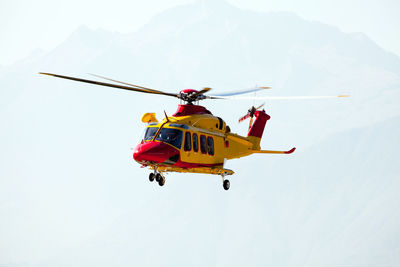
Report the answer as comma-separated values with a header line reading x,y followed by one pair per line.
x,y
170,136
167,135
150,133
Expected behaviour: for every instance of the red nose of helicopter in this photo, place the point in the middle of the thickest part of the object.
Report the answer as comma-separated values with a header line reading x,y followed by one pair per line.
x,y
155,152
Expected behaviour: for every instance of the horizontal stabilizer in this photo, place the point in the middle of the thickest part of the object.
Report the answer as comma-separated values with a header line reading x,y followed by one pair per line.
x,y
274,151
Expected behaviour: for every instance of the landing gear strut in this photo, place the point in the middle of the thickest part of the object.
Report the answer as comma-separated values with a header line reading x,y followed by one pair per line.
x,y
225,183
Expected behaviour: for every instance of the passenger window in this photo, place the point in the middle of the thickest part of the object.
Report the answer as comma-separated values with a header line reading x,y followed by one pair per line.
x,y
188,141
210,144
195,142
203,144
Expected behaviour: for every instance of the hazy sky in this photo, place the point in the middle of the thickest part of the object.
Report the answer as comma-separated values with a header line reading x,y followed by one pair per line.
x,y
71,194
28,25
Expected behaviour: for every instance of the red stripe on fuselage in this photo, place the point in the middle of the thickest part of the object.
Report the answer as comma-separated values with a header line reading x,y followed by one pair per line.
x,y
159,153
156,152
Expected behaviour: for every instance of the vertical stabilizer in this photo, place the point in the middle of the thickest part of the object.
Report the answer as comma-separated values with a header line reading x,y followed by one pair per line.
x,y
257,129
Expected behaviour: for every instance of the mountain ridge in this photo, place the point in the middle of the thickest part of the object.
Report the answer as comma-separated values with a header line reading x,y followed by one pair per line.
x,y
69,186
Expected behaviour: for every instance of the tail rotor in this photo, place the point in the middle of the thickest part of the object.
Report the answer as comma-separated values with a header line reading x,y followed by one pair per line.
x,y
250,113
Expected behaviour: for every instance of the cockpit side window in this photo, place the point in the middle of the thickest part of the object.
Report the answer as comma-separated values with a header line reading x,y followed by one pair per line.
x,y
171,136
149,134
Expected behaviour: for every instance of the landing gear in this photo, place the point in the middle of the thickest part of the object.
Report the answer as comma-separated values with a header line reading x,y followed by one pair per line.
x,y
225,183
161,182
160,179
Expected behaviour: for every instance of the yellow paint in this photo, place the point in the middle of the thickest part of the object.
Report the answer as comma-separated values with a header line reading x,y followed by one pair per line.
x,y
149,117
213,170
208,125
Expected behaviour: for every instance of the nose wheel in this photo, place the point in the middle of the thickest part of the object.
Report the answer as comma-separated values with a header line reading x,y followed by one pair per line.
x,y
152,177
160,179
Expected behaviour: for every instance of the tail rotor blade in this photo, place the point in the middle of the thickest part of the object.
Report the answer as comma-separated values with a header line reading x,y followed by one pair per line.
x,y
244,117
251,123
251,113
260,106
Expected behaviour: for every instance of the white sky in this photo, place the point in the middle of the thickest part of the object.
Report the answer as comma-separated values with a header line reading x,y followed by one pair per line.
x,y
27,25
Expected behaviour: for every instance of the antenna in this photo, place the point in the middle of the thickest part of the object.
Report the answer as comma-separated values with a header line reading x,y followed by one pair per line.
x,y
166,117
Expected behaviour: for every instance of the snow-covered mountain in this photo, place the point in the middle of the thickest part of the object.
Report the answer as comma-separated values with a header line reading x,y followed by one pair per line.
x,y
70,193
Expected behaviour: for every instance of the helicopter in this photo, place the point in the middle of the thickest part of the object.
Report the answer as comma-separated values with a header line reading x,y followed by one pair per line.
x,y
193,140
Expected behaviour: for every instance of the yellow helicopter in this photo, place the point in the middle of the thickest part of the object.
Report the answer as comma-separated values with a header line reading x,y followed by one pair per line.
x,y
193,140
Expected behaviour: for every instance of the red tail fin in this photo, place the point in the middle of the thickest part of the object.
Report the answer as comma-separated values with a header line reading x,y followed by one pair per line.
x,y
257,129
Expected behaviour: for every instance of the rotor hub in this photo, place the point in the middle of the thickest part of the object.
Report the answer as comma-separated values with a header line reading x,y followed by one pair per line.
x,y
190,95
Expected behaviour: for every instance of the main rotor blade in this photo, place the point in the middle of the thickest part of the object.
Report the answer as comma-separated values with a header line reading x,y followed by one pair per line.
x,y
130,88
278,97
133,85
241,92
201,92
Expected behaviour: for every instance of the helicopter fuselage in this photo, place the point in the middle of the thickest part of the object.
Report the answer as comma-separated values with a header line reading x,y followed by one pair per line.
x,y
194,140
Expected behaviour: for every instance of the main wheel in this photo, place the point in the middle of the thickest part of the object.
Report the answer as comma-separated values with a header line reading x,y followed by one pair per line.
x,y
226,184
151,177
161,182
158,177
